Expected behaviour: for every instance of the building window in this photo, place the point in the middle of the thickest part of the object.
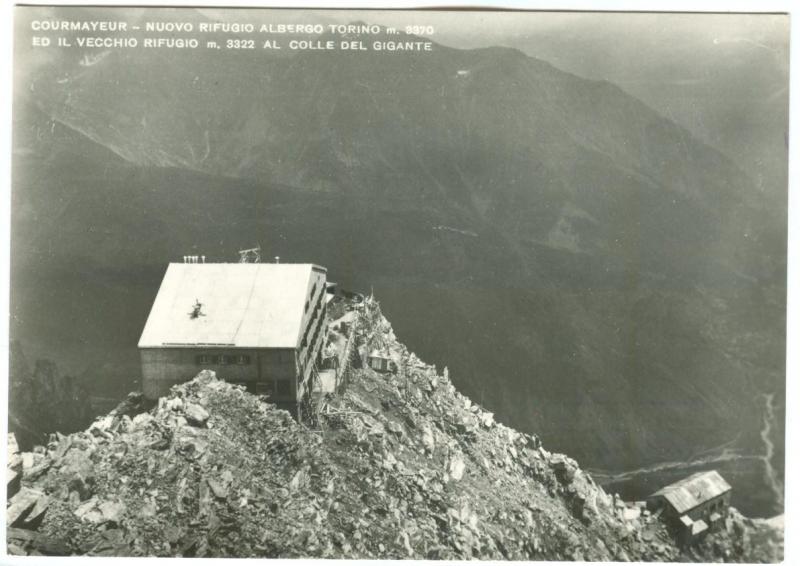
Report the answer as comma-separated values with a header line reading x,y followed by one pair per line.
x,y
243,360
284,388
203,359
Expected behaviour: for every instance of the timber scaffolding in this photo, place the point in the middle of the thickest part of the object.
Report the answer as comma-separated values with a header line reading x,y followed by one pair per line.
x,y
316,401
346,358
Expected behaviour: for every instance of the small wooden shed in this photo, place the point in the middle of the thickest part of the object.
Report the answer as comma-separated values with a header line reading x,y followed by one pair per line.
x,y
381,362
694,505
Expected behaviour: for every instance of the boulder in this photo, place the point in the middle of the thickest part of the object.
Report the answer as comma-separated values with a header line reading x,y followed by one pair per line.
x,y
88,511
456,467
23,541
112,511
98,512
218,487
132,405
82,485
578,507
62,447
389,461
395,428
109,543
27,508
13,447
31,460
195,414
13,482
77,462
140,421
102,425
564,468
428,440
192,448
373,426
298,481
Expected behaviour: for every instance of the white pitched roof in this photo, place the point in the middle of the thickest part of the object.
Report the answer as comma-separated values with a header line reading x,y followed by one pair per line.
x,y
244,305
690,492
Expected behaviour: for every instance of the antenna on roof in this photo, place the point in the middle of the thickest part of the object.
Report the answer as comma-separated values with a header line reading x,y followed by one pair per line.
x,y
252,255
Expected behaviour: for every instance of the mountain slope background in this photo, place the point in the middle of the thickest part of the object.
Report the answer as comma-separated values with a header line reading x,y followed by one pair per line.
x,y
722,76
586,268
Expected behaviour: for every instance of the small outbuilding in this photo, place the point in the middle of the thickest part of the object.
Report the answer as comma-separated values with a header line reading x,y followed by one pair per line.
x,y
694,505
381,362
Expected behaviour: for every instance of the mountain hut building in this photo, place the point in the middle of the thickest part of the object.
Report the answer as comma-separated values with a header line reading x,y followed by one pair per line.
x,y
261,325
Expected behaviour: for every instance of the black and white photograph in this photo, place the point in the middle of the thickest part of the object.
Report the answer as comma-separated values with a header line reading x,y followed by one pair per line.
x,y
397,284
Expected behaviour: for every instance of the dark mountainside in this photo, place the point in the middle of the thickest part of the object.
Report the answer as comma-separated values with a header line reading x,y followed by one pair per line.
x,y
42,399
723,77
397,466
588,269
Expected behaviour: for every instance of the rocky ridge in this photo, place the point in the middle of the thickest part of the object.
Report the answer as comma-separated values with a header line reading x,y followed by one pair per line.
x,y
396,466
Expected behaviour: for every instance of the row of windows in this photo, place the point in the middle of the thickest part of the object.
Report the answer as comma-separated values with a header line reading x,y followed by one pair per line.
x,y
240,359
222,360
316,331
317,307
311,297
309,353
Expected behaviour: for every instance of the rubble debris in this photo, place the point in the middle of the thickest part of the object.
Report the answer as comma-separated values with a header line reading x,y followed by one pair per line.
x,y
397,466
22,542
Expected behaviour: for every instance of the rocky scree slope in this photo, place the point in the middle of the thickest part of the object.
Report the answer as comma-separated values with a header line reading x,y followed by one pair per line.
x,y
396,467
